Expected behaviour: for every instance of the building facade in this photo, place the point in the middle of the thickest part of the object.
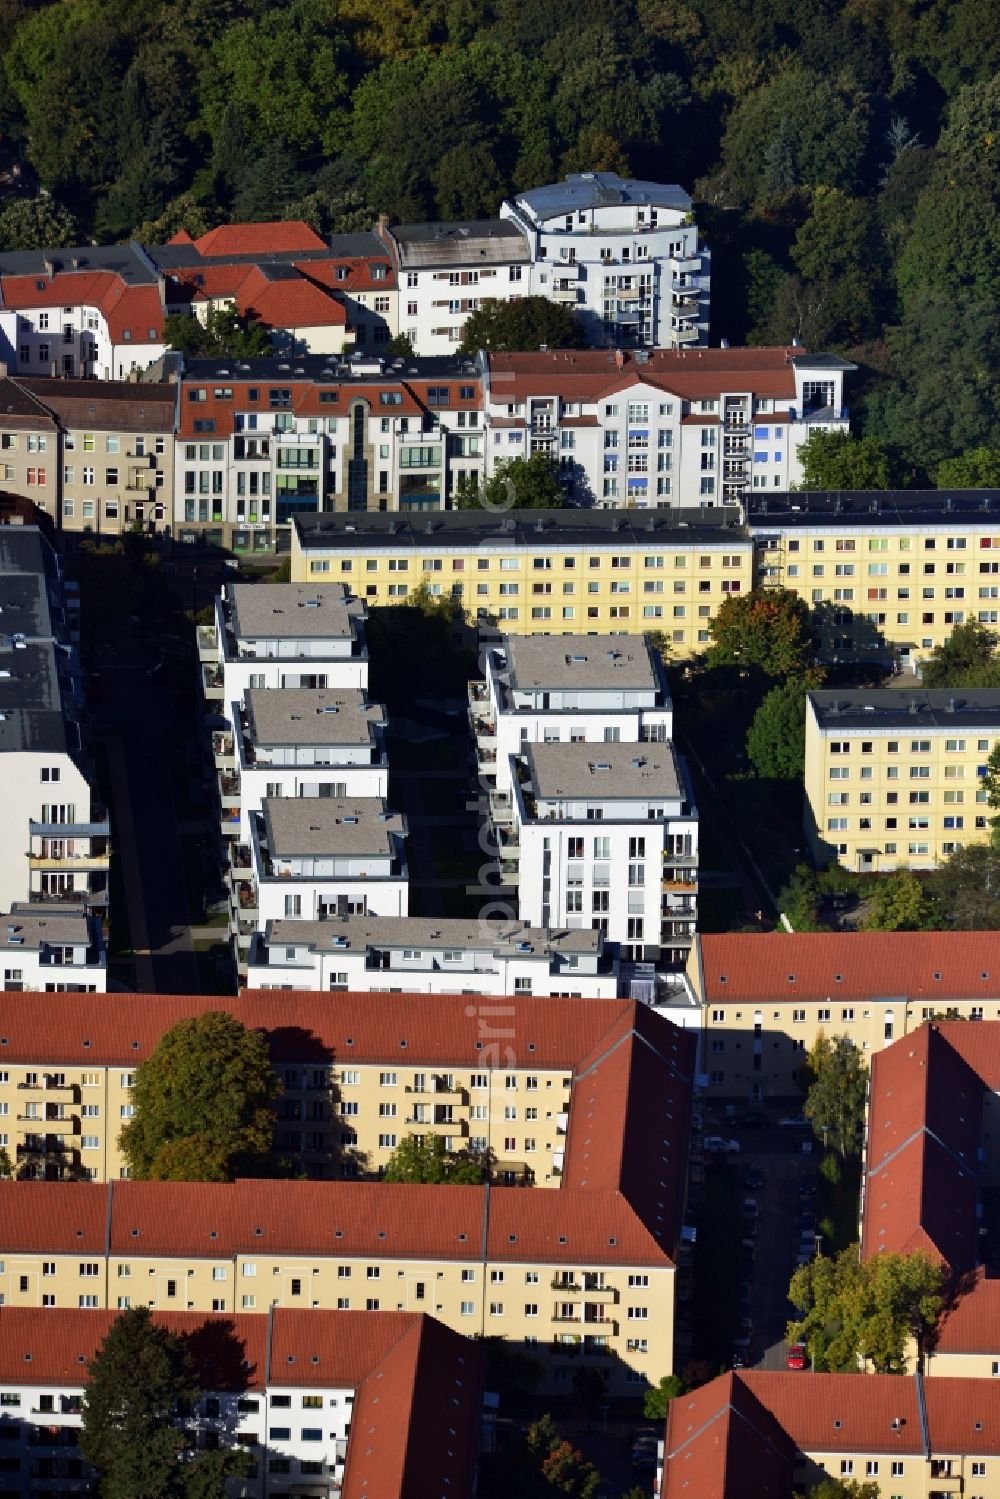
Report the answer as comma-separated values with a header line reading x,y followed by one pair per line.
x,y
895,779
663,428
53,949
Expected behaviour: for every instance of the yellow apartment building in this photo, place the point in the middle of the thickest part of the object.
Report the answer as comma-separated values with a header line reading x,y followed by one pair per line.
x,y
574,1276
489,1075
895,778
765,997
567,572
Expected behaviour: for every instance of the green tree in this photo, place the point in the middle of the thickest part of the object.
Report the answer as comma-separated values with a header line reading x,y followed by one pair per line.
x,y
852,1311
991,785
766,629
204,1099
140,1381
510,327
966,889
776,740
36,224
836,460
968,658
656,1400
842,1488
424,1159
899,902
799,900
518,484
979,468
400,346
837,1082
224,333
838,249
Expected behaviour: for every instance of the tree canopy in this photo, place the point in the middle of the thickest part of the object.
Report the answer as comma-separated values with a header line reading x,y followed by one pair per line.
x,y
766,629
966,889
518,484
512,327
900,902
223,333
837,1083
852,1311
968,658
204,1104
424,1159
139,1383
837,460
776,739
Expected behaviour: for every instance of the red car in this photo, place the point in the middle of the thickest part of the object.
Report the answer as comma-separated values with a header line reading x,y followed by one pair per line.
x,y
795,1358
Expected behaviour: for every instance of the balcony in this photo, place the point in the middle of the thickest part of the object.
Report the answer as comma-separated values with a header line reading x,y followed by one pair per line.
x,y
82,863
684,335
544,430
566,294
208,643
240,862
223,751
211,682
501,809
229,789
229,823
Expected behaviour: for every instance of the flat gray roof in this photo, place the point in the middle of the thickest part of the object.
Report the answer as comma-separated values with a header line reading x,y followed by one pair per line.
x,y
849,508
583,190
943,708
519,530
324,825
466,242
291,610
32,710
540,661
503,937
311,715
130,262
35,925
603,771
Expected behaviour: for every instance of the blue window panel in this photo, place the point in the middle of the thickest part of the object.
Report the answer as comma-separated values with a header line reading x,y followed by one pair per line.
x,y
760,457
638,484
777,457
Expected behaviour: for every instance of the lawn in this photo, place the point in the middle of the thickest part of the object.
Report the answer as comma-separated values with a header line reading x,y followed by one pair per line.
x,y
838,1205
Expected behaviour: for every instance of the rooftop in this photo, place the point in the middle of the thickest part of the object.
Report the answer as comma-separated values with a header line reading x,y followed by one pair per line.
x,y
311,715
615,772
469,242
462,530
320,825
943,708
128,262
274,611
504,938
584,190
107,405
331,369
536,662
36,926
846,508
32,708
694,374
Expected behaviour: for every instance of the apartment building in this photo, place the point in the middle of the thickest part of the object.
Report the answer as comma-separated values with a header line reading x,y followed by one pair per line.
x,y
55,845
258,443
264,1383
546,572
765,997
498,1077
96,458
313,856
895,778
570,689
54,949
887,575
420,955
909,1437
636,879
625,256
268,635
665,427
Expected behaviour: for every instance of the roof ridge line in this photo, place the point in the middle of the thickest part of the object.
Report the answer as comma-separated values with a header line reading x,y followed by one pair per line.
x,y
30,394
922,1129
735,1411
925,1433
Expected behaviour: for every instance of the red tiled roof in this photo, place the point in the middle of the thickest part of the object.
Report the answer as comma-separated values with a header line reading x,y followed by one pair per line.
x,y
972,1325
43,1217
771,967
716,1436
841,1412
963,1416
689,374
289,303
248,239
358,274
310,1347
415,1425
924,1125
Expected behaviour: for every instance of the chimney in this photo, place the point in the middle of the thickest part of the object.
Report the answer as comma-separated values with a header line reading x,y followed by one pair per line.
x,y
382,225
50,267
620,358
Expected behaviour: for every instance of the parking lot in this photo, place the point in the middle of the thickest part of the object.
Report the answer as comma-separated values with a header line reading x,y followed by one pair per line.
x,y
756,1218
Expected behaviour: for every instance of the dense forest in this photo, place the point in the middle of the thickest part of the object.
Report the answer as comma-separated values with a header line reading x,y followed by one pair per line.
x,y
842,153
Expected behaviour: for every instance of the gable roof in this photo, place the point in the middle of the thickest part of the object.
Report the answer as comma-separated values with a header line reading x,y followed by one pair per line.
x,y
688,374
244,239
716,1436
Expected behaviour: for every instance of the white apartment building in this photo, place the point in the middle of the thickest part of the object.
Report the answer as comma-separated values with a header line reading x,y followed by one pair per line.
x,y
624,255
289,1388
54,843
316,856
257,443
419,955
665,427
281,635
567,689
633,878
52,949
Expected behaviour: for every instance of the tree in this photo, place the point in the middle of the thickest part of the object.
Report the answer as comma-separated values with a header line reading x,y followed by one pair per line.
x,y
656,1400
424,1159
836,460
204,1100
400,346
979,468
36,224
776,740
510,327
140,1381
853,1312
232,335
837,1082
799,900
967,658
899,902
569,1472
842,1488
991,785
966,889
518,484
767,628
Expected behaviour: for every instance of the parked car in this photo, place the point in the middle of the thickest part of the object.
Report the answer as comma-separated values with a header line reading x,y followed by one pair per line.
x,y
751,1207
794,1121
718,1145
795,1358
807,1184
753,1178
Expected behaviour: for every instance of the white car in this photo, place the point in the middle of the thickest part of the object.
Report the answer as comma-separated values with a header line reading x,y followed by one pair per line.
x,y
717,1145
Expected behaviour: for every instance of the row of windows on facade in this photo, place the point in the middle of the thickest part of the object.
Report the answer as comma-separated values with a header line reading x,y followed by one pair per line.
x,y
39,443
727,561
